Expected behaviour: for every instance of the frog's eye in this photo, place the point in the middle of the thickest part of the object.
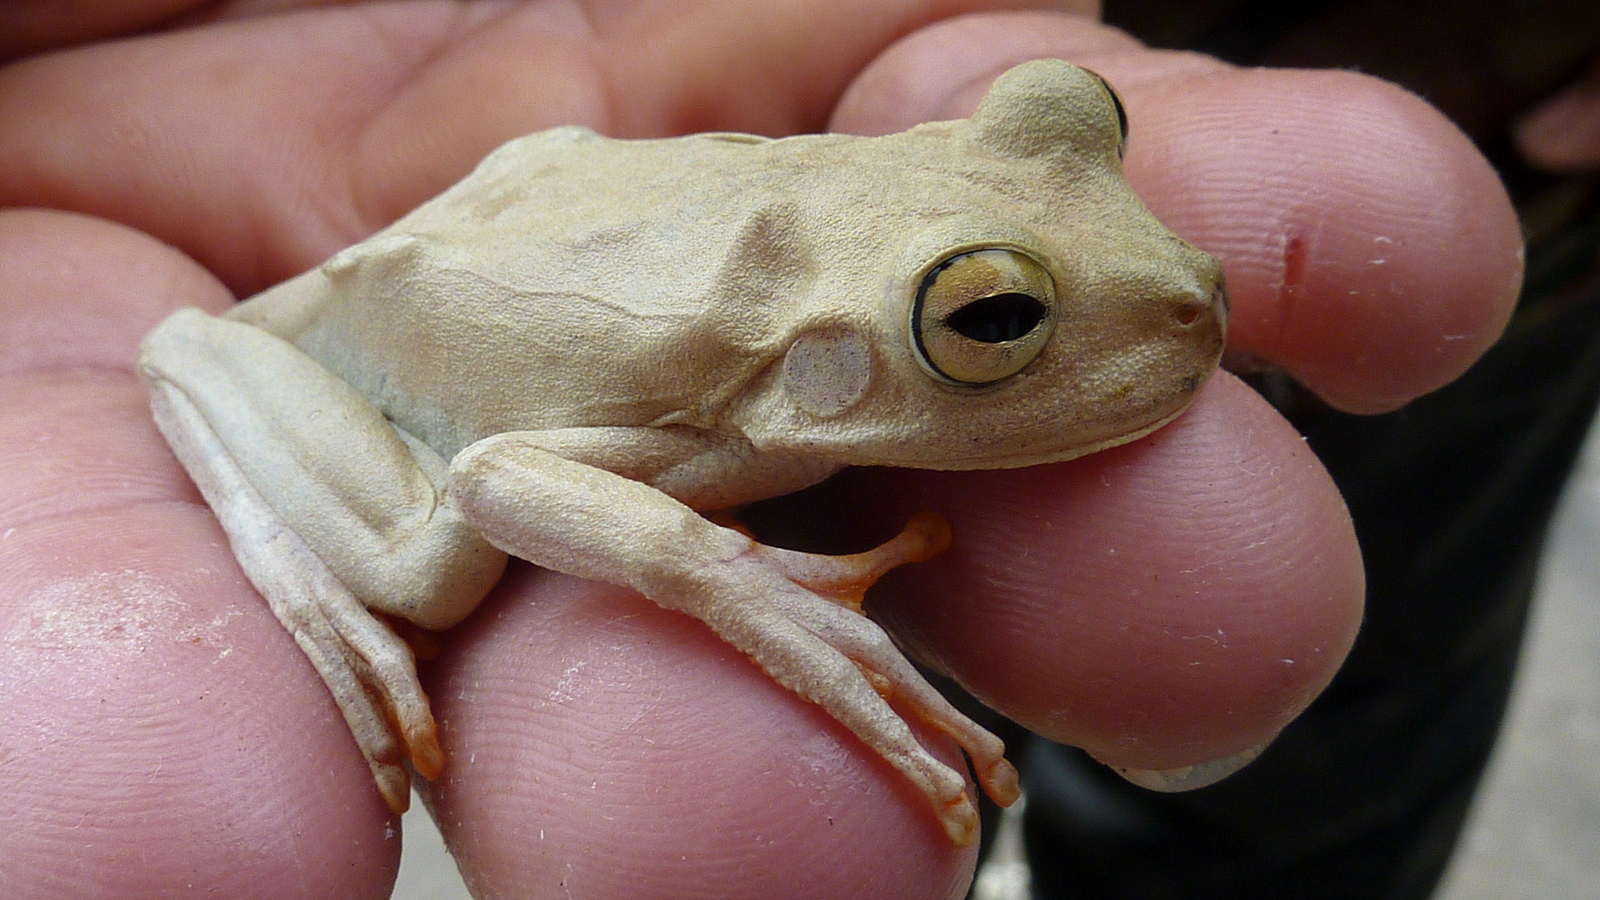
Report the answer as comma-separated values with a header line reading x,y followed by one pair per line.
x,y
981,316
1122,115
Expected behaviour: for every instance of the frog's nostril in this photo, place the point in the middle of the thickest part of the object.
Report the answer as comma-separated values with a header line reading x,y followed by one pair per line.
x,y
1189,313
1191,310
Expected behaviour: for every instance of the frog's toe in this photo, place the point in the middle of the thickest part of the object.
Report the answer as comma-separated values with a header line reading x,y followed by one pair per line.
x,y
899,684
841,581
387,710
960,821
372,676
845,579
394,783
368,719
825,653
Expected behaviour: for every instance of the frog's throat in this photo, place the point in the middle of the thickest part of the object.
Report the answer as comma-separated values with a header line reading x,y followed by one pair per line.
x,y
1023,459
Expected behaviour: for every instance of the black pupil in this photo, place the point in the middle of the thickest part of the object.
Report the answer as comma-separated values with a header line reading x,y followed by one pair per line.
x,y
997,318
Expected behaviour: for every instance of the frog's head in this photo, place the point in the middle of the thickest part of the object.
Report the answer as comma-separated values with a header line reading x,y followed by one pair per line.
x,y
1033,311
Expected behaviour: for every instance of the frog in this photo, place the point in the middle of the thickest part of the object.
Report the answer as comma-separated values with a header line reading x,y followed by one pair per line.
x,y
587,351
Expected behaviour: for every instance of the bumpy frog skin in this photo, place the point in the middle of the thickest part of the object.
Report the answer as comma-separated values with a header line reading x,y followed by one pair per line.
x,y
568,353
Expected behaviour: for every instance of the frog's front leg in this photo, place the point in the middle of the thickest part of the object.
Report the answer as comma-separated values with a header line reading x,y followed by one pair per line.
x,y
796,614
331,512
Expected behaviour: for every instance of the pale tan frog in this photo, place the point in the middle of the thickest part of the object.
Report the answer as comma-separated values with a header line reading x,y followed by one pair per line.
x,y
565,355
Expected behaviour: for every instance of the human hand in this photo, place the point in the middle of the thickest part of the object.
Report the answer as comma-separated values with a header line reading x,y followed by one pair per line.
x,y
1562,133
163,731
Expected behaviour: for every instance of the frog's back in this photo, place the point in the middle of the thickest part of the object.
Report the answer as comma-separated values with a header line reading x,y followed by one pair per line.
x,y
577,281
557,287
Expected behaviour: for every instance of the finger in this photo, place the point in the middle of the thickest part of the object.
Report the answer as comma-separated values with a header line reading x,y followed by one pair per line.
x,y
30,26
602,744
80,292
1563,133
161,730
1370,250
262,145
1171,602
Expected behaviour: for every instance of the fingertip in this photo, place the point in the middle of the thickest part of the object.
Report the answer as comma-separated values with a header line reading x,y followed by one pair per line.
x,y
1164,604
1371,251
1562,134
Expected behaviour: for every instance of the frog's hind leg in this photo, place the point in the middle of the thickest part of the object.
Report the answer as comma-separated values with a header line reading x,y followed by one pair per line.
x,y
796,615
348,647
313,487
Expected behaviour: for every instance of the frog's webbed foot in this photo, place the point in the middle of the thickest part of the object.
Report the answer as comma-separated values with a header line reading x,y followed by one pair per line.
x,y
369,670
797,615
